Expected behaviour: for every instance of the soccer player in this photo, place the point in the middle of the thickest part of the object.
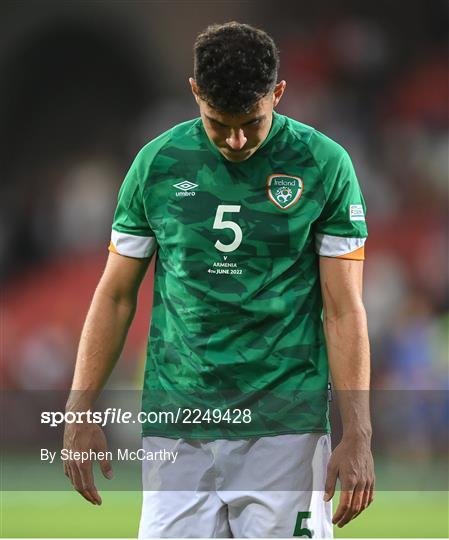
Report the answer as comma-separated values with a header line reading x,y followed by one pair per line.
x,y
258,226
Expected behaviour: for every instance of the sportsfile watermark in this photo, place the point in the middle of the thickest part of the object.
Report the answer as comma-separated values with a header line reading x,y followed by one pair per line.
x,y
165,433
113,415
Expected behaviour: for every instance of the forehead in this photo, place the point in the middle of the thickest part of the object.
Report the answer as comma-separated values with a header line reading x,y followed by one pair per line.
x,y
259,109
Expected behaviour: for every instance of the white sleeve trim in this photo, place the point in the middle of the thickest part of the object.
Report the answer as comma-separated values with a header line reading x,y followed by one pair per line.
x,y
133,246
334,246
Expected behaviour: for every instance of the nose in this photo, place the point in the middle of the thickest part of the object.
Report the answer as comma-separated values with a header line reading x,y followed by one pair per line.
x,y
237,139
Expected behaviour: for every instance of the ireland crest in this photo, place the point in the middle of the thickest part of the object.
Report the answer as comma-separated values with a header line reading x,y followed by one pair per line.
x,y
284,190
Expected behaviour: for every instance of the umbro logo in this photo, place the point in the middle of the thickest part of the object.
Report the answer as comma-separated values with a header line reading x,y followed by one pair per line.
x,y
186,185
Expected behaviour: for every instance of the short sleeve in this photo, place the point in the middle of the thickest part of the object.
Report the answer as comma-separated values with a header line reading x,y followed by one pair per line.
x,y
131,232
341,228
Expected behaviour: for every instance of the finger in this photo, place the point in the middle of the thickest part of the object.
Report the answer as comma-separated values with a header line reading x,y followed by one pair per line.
x,y
349,512
77,483
371,494
343,506
348,483
331,481
106,469
74,476
87,480
366,495
357,504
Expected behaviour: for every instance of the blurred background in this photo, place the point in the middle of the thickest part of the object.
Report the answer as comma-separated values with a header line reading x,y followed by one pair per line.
x,y
84,85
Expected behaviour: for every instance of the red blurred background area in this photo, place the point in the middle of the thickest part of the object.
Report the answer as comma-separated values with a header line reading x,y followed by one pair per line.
x,y
43,313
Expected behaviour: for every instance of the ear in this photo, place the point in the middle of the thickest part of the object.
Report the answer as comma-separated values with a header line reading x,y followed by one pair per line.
x,y
278,91
194,89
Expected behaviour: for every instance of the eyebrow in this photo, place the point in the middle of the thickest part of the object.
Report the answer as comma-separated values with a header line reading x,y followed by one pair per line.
x,y
253,120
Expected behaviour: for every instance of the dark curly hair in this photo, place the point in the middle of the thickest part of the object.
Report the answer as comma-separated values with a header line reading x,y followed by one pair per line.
x,y
234,66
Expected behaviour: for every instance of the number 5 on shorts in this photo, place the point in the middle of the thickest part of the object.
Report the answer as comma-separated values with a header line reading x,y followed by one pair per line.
x,y
299,530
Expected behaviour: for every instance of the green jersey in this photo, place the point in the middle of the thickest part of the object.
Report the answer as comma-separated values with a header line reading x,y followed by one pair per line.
x,y
236,346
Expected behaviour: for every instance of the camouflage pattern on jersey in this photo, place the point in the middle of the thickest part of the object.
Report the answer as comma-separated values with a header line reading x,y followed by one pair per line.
x,y
236,321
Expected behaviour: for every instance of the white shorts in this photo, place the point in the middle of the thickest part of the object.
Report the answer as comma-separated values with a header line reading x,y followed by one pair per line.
x,y
267,487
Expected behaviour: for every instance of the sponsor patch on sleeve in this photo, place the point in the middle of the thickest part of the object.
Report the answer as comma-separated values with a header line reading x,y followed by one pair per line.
x,y
356,212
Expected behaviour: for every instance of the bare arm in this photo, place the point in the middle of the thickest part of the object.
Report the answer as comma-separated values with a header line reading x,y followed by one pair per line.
x,y
102,339
106,326
347,342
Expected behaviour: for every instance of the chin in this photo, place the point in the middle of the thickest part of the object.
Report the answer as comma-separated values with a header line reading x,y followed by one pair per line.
x,y
239,156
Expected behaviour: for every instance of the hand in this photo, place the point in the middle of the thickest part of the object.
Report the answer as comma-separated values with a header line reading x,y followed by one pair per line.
x,y
352,463
79,438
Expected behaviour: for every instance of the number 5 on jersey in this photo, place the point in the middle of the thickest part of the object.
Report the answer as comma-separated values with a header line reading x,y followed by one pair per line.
x,y
219,223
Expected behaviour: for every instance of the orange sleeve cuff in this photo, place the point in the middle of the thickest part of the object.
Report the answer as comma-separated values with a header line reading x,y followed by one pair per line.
x,y
357,255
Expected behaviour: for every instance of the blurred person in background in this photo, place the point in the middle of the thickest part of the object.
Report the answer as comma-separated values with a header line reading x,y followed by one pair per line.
x,y
258,223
